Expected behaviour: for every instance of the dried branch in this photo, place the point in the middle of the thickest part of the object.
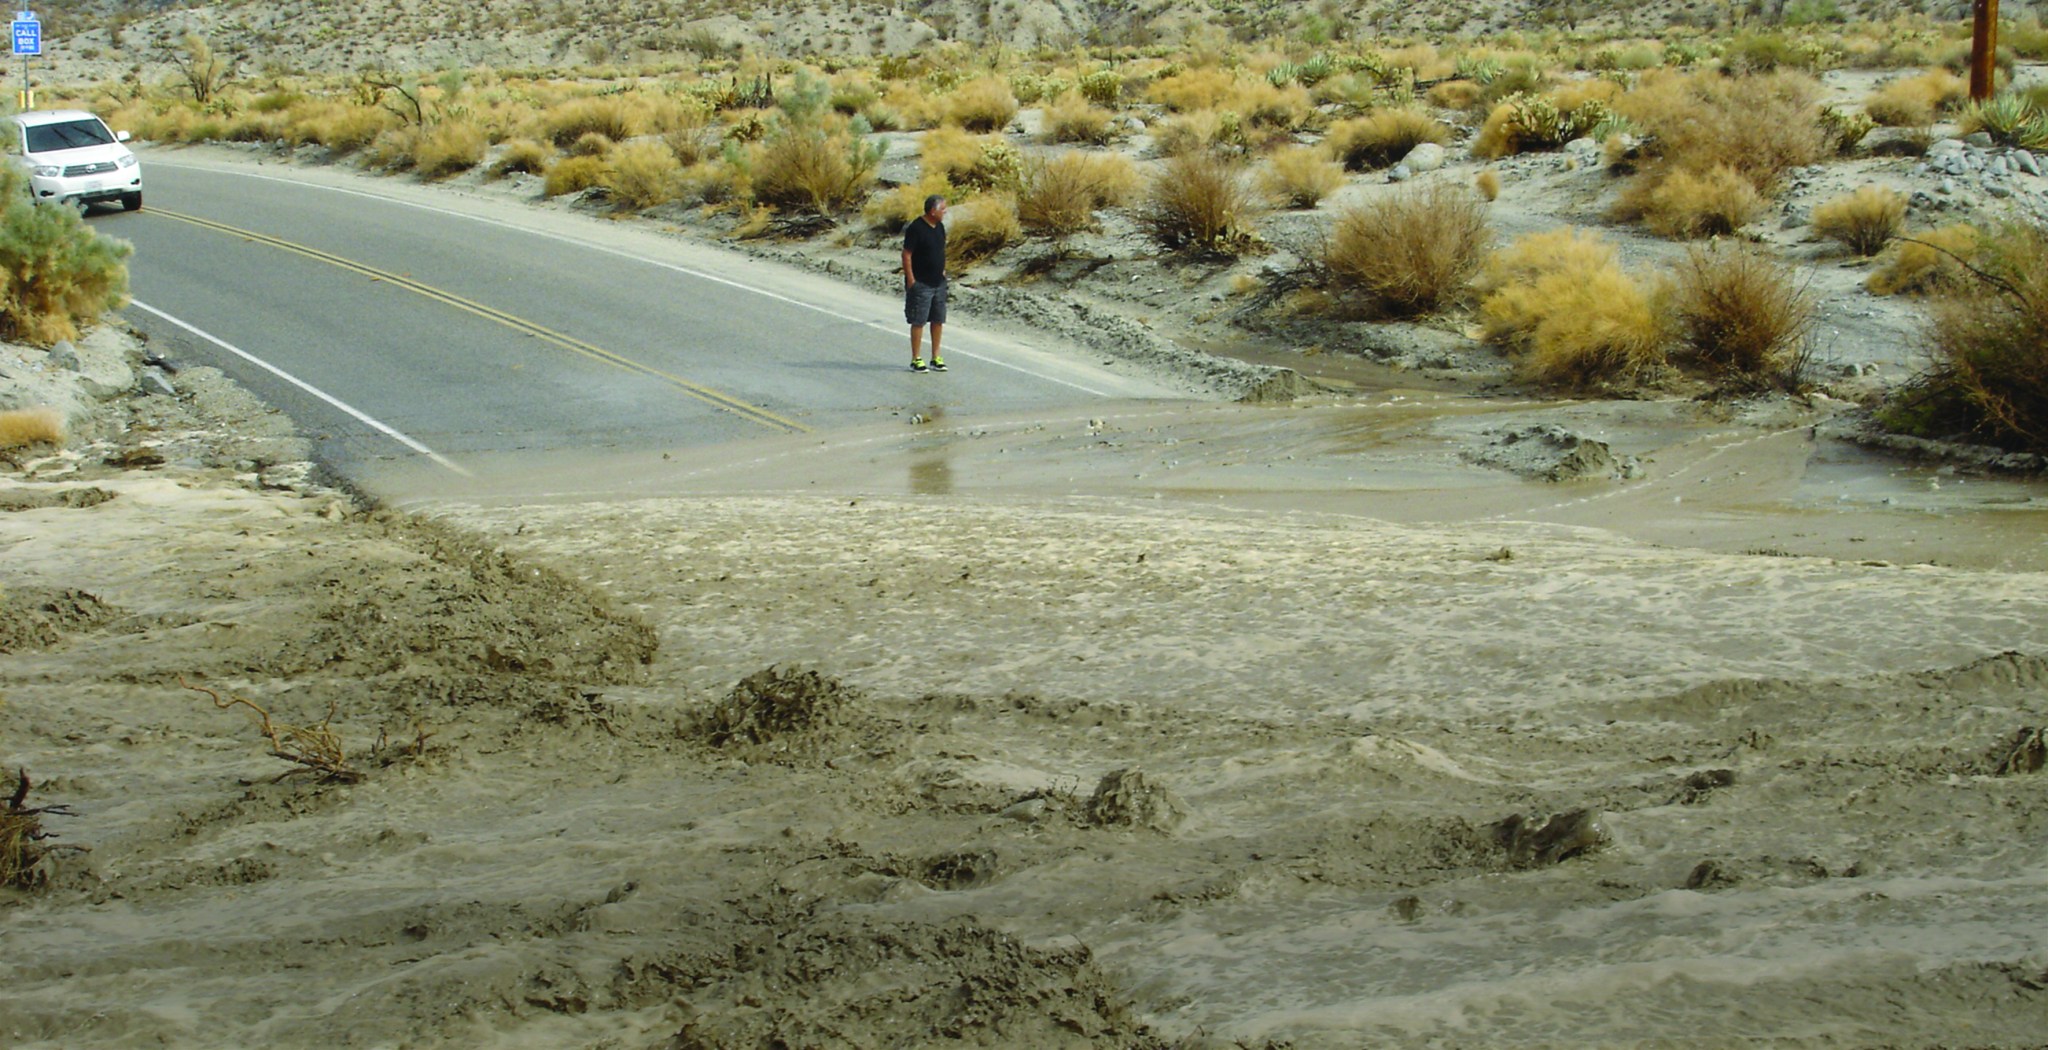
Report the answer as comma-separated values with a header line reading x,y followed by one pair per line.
x,y
22,837
314,748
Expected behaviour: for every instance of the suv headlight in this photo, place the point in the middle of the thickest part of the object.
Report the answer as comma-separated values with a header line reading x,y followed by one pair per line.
x,y
48,171
126,161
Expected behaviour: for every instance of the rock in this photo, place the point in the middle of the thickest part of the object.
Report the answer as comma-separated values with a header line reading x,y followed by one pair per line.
x,y
2025,162
1979,139
64,356
1029,811
1399,173
1126,798
1998,189
1427,156
1947,188
155,384
2025,752
1711,875
1795,217
1943,147
1560,838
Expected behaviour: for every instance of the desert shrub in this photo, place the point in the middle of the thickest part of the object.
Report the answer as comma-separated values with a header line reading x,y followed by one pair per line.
x,y
1912,102
983,161
1410,252
825,168
1738,311
1104,87
980,227
949,152
1266,106
1193,90
1071,118
1199,202
1561,303
607,115
853,98
2010,119
339,126
392,150
1523,123
1988,339
573,175
915,108
1487,182
1674,202
1203,131
892,208
449,147
1032,88
1054,201
522,155
1300,176
713,181
591,144
644,174
57,275
688,134
24,427
254,126
1926,262
1751,53
982,105
1843,128
1862,221
1460,95
1379,139
1760,127
1060,195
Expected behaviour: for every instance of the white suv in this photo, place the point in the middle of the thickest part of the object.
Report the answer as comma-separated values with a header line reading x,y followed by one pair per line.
x,y
73,159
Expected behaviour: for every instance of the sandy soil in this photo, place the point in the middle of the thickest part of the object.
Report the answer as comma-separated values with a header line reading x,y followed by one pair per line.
x,y
1324,723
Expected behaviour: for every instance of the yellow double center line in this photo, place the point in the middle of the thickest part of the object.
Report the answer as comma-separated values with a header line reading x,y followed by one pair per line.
x,y
714,398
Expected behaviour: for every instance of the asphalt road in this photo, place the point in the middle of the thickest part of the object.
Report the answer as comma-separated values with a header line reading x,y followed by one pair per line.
x,y
428,330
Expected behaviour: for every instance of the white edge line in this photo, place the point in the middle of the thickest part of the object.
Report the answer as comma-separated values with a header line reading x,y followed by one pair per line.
x,y
580,243
309,388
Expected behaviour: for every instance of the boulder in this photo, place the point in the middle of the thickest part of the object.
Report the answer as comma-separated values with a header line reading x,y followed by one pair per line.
x,y
1427,156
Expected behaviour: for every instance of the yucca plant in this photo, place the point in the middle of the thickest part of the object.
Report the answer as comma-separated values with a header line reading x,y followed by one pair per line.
x,y
2010,120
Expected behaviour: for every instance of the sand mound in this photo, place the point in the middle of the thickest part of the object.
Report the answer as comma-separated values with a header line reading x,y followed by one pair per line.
x,y
38,618
845,982
776,711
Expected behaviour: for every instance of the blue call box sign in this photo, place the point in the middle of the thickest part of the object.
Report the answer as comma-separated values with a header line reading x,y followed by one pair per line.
x,y
28,34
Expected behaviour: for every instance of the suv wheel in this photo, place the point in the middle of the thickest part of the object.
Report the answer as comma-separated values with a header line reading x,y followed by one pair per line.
x,y
132,201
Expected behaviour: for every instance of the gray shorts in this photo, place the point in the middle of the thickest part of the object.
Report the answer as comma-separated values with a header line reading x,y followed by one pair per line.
x,y
925,304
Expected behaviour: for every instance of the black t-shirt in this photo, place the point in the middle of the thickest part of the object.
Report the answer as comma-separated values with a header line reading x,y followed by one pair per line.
x,y
926,244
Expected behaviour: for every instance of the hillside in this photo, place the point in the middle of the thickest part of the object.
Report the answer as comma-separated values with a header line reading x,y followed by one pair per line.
x,y
109,39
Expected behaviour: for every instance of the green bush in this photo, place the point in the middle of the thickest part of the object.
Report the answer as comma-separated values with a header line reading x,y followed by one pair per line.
x,y
57,275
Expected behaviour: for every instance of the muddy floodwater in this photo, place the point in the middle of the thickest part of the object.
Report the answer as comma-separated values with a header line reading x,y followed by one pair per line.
x,y
1397,718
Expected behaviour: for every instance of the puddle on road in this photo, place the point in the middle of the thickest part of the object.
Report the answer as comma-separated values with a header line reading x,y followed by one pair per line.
x,y
1396,455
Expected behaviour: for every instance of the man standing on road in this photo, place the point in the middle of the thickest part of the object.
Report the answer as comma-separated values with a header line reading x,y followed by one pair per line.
x,y
924,280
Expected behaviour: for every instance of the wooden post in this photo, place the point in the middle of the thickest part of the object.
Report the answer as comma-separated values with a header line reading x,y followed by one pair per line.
x,y
1983,47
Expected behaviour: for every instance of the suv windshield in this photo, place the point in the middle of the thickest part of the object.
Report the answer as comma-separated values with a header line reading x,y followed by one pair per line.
x,y
45,138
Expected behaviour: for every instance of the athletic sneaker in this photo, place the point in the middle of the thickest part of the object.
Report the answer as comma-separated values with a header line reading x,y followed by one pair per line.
x,y
917,366
938,365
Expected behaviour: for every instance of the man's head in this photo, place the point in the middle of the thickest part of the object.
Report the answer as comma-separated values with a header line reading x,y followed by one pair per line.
x,y
935,207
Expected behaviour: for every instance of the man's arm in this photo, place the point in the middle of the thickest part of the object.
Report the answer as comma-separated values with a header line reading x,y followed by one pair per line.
x,y
908,277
